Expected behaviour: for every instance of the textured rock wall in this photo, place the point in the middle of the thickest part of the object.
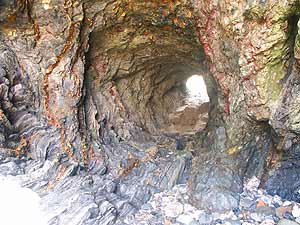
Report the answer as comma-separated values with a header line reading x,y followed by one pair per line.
x,y
252,49
87,87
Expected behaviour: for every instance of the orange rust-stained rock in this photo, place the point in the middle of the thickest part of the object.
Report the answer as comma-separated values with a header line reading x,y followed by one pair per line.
x,y
49,71
260,203
132,163
280,211
19,150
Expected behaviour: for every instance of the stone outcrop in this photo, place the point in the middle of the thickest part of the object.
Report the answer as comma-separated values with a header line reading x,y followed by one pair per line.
x,y
92,101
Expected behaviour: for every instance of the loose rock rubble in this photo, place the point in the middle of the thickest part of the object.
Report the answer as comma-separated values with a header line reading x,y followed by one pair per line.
x,y
256,207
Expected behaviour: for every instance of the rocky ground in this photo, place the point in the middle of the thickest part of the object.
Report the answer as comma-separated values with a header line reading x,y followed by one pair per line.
x,y
76,200
256,207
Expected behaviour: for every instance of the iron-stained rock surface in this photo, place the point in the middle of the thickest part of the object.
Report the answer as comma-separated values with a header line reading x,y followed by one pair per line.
x,y
93,113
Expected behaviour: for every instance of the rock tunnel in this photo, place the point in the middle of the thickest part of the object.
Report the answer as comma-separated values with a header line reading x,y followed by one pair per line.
x,y
135,60
105,106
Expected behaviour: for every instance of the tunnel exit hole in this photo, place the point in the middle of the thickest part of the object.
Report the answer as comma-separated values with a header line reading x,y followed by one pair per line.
x,y
196,90
193,115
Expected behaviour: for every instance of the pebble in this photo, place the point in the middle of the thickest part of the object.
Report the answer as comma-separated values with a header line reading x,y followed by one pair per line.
x,y
276,199
256,207
260,203
287,222
246,202
288,215
265,211
252,184
286,203
233,222
268,222
146,207
185,219
194,222
173,210
280,211
205,219
296,211
256,217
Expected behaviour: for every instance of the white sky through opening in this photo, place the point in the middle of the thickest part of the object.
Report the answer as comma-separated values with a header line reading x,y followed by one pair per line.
x,y
196,88
18,205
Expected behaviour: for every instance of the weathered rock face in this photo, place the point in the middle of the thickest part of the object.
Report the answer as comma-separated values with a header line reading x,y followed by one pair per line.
x,y
93,101
253,52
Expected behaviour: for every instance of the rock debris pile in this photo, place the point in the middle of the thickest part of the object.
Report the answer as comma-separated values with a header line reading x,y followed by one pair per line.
x,y
256,207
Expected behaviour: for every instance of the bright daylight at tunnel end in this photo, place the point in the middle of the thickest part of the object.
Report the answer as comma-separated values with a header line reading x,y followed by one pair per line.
x,y
149,112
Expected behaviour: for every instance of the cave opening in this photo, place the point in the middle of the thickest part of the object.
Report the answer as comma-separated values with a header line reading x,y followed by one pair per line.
x,y
151,85
192,115
197,90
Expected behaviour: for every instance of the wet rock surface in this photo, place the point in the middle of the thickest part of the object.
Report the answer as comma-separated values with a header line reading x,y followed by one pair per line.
x,y
284,178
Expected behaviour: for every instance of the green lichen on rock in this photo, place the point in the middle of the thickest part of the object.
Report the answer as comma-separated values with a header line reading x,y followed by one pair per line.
x,y
268,80
256,12
294,118
276,61
297,44
272,83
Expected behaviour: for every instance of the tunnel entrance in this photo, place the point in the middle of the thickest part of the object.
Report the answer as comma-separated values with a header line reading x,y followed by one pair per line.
x,y
196,90
193,115
139,80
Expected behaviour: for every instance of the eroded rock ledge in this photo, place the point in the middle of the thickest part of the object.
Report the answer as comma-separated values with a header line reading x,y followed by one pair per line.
x,y
89,89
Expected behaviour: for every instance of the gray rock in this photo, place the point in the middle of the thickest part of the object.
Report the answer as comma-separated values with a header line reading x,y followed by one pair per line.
x,y
194,222
246,202
185,219
214,187
205,218
256,217
233,222
147,207
287,222
265,211
10,168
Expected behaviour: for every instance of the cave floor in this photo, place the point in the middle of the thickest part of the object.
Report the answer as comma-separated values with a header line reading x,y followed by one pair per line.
x,y
171,206
100,197
256,207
